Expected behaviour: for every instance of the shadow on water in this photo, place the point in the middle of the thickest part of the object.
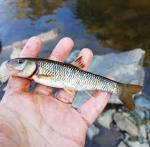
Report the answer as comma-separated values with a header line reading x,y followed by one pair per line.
x,y
120,25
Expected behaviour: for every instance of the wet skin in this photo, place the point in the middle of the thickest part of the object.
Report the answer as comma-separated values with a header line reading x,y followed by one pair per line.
x,y
39,119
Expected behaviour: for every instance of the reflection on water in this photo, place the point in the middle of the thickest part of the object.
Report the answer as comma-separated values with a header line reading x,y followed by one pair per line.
x,y
21,19
34,9
121,25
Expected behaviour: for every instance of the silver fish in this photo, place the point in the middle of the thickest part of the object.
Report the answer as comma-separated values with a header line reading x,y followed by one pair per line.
x,y
63,75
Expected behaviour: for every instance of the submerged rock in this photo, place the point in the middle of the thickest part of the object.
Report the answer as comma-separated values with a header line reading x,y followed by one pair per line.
x,y
140,113
3,73
125,124
137,144
143,133
105,118
15,52
122,144
45,37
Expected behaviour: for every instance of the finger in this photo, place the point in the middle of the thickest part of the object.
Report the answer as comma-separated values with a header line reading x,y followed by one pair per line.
x,y
31,49
90,110
62,50
87,56
60,53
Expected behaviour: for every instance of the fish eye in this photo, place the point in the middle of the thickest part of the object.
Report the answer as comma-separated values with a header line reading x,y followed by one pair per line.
x,y
20,61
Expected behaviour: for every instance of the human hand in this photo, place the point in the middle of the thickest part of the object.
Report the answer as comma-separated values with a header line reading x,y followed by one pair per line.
x,y
39,119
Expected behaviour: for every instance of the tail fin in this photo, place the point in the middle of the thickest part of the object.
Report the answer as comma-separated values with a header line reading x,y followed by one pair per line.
x,y
127,95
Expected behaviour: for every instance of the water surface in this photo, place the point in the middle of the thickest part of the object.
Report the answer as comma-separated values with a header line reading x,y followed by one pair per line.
x,y
120,25
107,25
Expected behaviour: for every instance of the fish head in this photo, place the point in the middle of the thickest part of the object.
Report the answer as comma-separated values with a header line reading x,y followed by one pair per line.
x,y
21,67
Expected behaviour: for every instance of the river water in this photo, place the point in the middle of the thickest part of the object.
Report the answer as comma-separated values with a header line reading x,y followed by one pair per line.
x,y
102,25
115,25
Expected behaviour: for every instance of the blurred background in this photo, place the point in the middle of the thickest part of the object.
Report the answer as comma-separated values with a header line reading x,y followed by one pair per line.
x,y
115,25
102,25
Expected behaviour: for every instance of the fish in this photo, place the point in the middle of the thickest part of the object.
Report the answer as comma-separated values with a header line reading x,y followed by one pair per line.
x,y
70,77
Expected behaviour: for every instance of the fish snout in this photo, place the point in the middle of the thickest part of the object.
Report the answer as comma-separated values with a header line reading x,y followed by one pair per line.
x,y
9,65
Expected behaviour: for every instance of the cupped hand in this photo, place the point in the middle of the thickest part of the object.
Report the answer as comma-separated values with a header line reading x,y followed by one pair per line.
x,y
37,118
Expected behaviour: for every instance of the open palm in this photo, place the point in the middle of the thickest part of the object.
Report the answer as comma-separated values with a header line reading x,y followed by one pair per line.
x,y
39,119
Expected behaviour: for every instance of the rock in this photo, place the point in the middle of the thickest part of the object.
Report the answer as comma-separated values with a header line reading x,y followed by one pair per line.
x,y
141,117
137,144
50,35
107,138
140,113
122,144
92,131
126,114
15,53
126,137
4,75
125,67
45,37
105,118
125,124
142,130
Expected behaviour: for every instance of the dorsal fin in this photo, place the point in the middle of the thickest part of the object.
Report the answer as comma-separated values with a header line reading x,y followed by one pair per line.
x,y
79,62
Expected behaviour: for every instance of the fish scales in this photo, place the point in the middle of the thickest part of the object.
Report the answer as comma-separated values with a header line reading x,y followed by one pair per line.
x,y
74,78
